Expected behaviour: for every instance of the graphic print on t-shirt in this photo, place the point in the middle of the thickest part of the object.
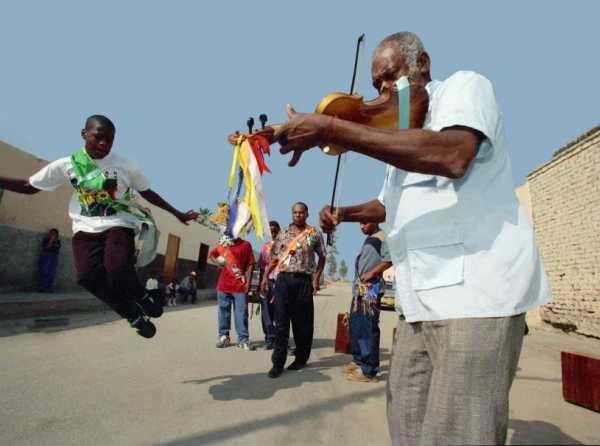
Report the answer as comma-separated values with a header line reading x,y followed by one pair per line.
x,y
94,202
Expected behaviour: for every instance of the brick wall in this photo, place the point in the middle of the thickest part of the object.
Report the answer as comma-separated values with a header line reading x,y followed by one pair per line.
x,y
565,198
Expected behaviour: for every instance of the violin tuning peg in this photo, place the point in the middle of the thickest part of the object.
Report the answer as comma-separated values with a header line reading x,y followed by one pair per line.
x,y
263,120
250,124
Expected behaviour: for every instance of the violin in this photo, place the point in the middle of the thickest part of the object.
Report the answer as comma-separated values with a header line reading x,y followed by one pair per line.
x,y
382,112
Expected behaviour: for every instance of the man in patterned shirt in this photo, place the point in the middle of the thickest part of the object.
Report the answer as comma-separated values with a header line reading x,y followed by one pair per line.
x,y
293,254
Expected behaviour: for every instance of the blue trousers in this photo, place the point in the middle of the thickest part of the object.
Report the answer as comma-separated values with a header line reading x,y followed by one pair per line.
x,y
364,338
240,308
47,266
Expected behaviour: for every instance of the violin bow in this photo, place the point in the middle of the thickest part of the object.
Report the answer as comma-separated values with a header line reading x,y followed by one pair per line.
x,y
359,43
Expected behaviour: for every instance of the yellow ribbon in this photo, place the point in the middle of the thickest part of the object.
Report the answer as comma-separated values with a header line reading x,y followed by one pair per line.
x,y
250,197
236,156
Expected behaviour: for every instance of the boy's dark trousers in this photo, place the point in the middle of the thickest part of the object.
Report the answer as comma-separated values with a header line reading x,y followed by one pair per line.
x,y
105,267
293,303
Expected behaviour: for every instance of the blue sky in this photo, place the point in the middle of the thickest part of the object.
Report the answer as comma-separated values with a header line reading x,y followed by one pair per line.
x,y
177,77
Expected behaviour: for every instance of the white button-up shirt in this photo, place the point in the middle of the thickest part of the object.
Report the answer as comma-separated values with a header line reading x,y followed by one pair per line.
x,y
465,247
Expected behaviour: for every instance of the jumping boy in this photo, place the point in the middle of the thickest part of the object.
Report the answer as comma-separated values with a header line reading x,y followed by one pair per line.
x,y
103,226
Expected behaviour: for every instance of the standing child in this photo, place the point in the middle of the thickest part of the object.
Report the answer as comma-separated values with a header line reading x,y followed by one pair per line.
x,y
103,228
171,293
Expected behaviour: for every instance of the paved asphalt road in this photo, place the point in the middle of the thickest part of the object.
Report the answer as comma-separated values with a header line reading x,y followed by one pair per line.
x,y
97,383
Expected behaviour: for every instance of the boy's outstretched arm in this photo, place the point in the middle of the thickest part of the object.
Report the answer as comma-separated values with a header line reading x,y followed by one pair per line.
x,y
18,185
157,200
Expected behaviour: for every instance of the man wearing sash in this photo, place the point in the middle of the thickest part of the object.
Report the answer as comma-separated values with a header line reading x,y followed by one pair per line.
x,y
293,254
236,259
466,264
104,221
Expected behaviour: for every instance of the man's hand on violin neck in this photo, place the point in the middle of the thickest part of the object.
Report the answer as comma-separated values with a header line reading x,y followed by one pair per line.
x,y
300,133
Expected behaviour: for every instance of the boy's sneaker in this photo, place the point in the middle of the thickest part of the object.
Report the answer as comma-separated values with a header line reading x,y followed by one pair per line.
x,y
223,342
359,376
150,307
269,345
143,326
349,368
245,346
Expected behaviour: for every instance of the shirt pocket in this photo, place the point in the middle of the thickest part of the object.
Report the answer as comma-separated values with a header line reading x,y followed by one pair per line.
x,y
436,258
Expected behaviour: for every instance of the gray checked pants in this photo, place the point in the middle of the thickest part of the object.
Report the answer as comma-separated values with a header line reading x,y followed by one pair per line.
x,y
449,380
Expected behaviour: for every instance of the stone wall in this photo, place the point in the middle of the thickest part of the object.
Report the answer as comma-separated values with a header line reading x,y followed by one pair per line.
x,y
565,197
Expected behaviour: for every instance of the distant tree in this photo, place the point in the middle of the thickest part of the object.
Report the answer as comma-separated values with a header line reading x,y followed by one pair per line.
x,y
204,219
331,261
343,269
205,214
331,266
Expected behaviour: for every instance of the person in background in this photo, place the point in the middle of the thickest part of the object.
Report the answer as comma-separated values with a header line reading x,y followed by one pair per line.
x,y
48,262
367,290
267,301
152,288
188,287
236,261
171,293
293,253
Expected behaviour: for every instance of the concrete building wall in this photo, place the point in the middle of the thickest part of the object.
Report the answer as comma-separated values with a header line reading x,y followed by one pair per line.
x,y
38,212
524,197
565,194
25,219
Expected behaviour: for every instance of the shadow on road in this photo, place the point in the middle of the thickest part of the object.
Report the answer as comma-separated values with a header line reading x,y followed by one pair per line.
x,y
54,324
314,411
258,386
538,432
57,323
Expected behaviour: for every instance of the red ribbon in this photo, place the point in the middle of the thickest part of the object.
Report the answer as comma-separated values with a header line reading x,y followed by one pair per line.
x,y
260,145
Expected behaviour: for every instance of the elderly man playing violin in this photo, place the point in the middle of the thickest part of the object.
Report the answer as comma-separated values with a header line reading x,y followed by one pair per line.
x,y
466,263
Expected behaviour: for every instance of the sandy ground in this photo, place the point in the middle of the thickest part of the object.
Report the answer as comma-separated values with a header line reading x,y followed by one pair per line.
x,y
95,382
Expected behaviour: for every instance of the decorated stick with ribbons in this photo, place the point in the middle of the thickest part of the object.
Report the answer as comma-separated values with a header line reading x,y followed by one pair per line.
x,y
246,207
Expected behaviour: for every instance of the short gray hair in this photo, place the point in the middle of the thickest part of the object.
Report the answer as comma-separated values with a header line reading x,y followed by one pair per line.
x,y
409,46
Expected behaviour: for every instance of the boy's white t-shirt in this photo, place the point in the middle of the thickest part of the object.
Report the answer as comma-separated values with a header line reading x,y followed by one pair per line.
x,y
121,174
